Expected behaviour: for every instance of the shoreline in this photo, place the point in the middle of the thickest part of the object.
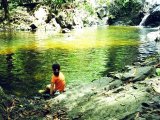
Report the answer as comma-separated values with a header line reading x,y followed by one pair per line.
x,y
79,102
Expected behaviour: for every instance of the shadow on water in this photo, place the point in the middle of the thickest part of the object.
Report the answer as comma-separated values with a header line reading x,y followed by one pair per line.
x,y
118,58
19,72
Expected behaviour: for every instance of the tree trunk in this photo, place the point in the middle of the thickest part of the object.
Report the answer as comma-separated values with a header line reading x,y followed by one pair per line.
x,y
4,4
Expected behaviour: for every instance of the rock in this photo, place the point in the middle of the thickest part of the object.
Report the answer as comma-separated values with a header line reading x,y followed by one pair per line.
x,y
33,27
65,30
60,21
153,18
101,12
154,36
123,76
55,24
77,21
145,104
69,26
157,39
135,74
156,85
50,17
149,62
115,84
118,90
142,73
129,117
41,13
150,110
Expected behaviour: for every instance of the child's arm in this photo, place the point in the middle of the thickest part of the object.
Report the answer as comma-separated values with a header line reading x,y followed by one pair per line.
x,y
52,88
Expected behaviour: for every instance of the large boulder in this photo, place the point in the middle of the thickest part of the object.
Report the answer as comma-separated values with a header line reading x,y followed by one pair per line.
x,y
135,74
102,11
153,19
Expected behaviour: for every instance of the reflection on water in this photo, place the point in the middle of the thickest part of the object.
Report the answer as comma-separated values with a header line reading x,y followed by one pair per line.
x,y
85,55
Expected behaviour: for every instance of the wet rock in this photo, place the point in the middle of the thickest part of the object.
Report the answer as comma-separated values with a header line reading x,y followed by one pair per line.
x,y
142,73
123,76
114,84
153,18
135,74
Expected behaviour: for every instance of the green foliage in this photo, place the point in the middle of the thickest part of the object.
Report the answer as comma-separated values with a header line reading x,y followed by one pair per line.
x,y
13,5
55,4
21,1
158,71
89,8
55,1
86,6
121,8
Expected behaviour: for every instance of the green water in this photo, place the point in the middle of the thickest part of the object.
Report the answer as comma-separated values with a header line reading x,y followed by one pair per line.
x,y
84,55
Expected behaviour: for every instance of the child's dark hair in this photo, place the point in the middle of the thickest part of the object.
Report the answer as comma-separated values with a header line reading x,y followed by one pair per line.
x,y
56,69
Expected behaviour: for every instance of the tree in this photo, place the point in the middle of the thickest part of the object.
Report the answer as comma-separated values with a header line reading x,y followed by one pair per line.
x,y
121,8
4,4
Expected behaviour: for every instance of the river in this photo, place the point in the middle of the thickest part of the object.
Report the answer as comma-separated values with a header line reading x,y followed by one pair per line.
x,y
84,54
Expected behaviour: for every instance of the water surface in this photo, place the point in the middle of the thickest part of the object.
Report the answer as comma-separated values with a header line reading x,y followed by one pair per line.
x,y
84,55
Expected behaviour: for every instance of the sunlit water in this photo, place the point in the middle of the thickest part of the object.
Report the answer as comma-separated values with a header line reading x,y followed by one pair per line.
x,y
84,55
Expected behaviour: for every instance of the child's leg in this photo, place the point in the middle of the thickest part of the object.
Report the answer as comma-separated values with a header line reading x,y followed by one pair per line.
x,y
46,90
48,86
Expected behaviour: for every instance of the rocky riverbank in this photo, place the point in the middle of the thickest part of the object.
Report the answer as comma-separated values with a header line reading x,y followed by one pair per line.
x,y
133,94
43,18
77,14
70,15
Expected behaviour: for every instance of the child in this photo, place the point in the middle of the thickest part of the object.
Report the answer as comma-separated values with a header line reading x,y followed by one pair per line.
x,y
57,81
